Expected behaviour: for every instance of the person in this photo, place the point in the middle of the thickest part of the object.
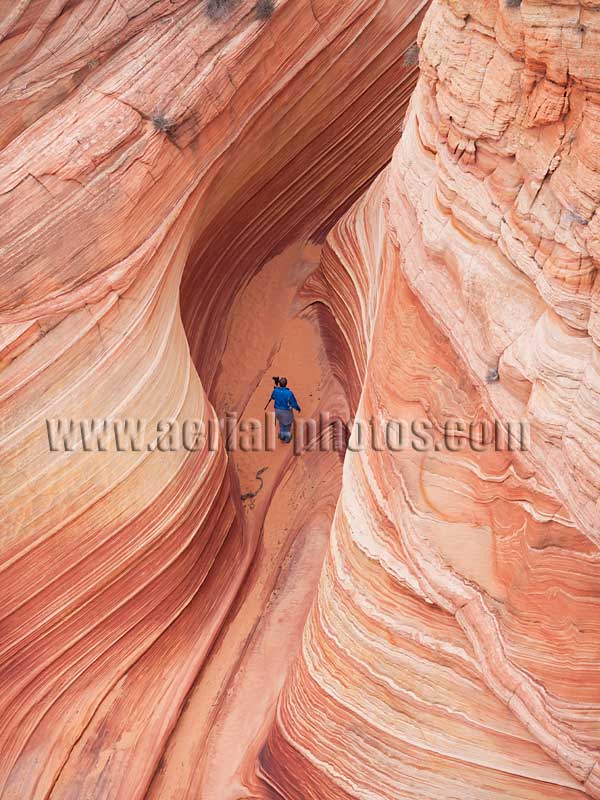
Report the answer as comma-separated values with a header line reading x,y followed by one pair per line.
x,y
285,402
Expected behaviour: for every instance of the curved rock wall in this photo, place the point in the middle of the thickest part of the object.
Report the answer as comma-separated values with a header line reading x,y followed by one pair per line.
x,y
152,161
453,649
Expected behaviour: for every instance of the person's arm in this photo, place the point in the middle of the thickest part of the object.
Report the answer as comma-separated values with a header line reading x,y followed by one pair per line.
x,y
294,402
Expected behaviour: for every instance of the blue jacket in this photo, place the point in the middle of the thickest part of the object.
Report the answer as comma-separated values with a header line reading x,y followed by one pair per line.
x,y
284,398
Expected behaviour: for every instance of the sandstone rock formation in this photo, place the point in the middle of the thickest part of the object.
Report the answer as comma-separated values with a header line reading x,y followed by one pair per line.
x,y
151,154
168,182
453,649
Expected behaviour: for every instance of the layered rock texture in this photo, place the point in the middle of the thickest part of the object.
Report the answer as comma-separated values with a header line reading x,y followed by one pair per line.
x,y
185,212
454,645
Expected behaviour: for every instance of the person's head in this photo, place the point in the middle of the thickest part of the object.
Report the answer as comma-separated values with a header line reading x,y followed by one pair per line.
x,y
283,382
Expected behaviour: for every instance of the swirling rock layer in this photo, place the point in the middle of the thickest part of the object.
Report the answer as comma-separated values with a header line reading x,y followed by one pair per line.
x,y
153,159
162,175
453,648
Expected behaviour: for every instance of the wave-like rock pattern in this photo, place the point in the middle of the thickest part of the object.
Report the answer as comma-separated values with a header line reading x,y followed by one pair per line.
x,y
152,160
453,646
453,649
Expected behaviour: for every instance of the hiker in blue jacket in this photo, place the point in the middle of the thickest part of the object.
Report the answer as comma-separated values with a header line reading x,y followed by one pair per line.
x,y
285,402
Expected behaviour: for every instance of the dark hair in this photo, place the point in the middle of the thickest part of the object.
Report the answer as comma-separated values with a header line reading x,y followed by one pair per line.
x,y
283,382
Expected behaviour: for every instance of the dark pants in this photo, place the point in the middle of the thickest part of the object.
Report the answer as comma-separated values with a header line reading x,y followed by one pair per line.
x,y
285,418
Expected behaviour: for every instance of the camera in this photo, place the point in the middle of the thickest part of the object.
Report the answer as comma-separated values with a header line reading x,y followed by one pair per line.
x,y
276,380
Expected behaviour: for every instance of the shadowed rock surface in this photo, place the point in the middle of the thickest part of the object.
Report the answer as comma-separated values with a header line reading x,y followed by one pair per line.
x,y
193,202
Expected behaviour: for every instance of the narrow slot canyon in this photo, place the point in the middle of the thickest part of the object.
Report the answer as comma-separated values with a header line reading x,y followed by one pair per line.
x,y
286,532
395,205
